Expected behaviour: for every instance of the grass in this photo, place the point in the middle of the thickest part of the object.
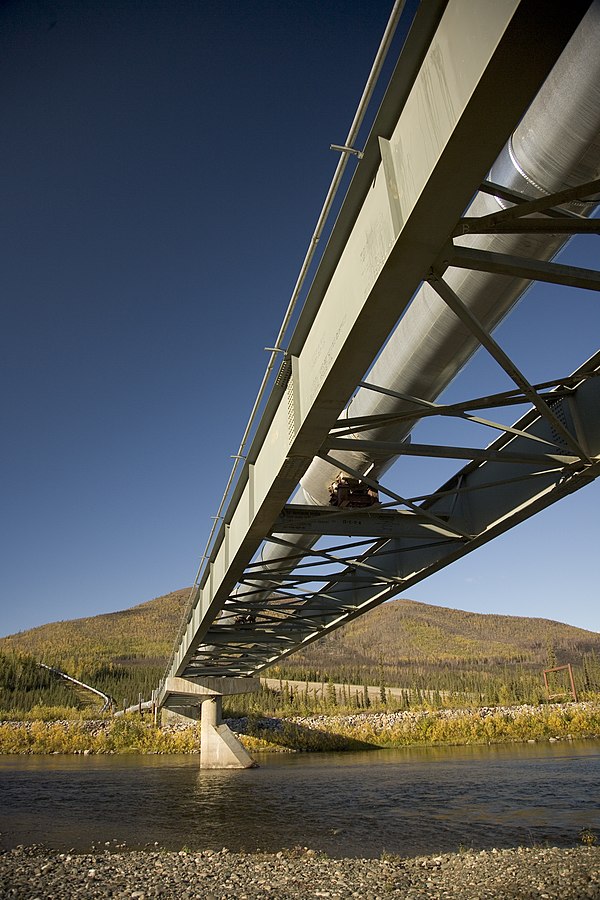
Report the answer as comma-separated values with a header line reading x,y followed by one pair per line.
x,y
130,734
127,734
471,727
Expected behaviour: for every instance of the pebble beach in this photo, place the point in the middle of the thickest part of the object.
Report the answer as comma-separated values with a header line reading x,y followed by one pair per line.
x,y
568,874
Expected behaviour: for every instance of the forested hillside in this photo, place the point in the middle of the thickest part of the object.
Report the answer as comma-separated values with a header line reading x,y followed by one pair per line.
x,y
402,643
419,646
123,654
141,633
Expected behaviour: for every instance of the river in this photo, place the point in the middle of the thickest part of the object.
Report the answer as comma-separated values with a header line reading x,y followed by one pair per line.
x,y
406,802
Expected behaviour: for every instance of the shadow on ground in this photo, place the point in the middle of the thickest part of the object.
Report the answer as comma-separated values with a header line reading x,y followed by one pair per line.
x,y
291,736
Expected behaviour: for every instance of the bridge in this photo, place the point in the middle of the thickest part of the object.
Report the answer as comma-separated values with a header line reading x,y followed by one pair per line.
x,y
482,161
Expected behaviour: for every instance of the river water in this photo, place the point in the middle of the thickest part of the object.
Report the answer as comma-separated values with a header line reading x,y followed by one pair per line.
x,y
407,802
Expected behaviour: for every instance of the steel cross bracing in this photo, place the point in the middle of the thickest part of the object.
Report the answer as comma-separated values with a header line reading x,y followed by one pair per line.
x,y
545,455
247,615
405,540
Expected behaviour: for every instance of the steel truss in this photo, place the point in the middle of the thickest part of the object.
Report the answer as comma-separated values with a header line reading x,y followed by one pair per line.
x,y
551,451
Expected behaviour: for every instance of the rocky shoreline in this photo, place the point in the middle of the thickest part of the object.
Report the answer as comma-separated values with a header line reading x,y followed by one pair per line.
x,y
384,721
568,874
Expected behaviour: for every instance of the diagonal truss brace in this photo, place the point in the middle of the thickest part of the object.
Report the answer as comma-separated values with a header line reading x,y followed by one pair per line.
x,y
519,267
440,451
486,340
560,387
512,220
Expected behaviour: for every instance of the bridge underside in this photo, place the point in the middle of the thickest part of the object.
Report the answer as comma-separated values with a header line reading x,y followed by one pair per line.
x,y
403,541
445,119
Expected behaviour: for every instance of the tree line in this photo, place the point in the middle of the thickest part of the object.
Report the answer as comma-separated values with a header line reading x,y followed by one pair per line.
x,y
25,685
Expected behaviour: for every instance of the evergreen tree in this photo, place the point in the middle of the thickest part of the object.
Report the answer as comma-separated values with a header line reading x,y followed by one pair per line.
x,y
382,685
331,694
366,698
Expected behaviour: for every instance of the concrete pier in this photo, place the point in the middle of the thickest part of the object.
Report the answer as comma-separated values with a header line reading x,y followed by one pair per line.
x,y
202,698
219,747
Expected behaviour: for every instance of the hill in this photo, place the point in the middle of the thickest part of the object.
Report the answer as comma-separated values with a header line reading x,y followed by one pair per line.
x,y
121,653
407,632
402,643
418,645
143,634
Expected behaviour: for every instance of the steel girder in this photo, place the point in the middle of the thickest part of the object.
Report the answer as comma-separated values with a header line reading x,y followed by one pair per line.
x,y
347,316
548,453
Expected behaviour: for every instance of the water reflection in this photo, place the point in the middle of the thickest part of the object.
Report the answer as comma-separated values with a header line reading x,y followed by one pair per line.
x,y
359,804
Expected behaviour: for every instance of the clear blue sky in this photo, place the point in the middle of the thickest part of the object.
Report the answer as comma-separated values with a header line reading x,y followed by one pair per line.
x,y
163,165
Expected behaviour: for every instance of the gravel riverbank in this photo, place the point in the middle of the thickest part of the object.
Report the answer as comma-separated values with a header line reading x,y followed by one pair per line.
x,y
571,874
381,722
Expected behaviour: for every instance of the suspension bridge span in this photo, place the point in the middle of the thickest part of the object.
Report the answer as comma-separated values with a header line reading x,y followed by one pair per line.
x,y
482,162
